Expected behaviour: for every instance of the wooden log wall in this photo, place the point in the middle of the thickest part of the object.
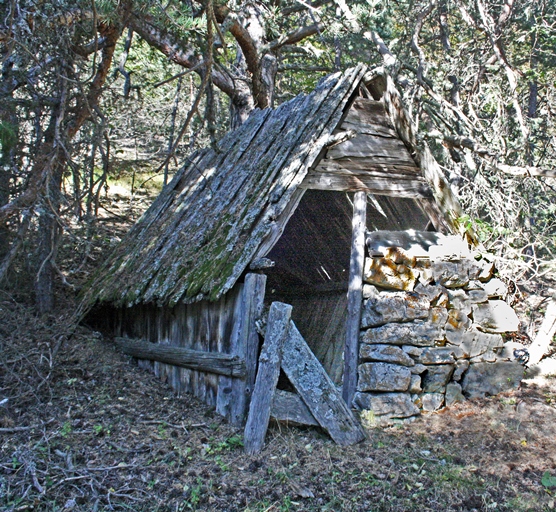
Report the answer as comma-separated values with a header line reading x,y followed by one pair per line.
x,y
221,327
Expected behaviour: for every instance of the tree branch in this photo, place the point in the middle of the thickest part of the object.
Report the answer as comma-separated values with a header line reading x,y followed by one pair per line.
x,y
294,36
179,51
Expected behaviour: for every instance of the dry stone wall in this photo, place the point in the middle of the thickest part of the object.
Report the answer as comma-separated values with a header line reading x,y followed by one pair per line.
x,y
432,326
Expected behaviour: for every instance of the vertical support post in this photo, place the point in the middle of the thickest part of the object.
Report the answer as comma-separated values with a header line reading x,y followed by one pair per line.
x,y
354,296
234,394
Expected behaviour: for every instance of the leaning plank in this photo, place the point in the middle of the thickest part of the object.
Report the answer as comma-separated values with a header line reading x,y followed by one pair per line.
x,y
355,296
318,391
267,376
221,364
288,407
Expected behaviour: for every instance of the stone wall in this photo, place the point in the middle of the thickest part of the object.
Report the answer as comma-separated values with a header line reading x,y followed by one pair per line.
x,y
432,326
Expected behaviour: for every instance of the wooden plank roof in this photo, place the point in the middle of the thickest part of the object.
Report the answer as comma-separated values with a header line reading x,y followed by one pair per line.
x,y
225,205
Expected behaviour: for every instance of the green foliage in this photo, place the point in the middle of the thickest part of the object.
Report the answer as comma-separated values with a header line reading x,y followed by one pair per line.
x,y
548,480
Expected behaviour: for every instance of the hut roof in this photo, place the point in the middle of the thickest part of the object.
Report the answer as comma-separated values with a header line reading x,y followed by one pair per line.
x,y
228,204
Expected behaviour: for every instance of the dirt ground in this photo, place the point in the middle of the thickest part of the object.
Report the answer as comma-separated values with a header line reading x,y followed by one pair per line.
x,y
83,428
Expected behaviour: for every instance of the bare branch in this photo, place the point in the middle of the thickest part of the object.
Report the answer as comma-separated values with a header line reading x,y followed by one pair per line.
x,y
294,36
422,16
304,6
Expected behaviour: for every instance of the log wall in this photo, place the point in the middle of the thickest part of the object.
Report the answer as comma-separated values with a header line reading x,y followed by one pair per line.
x,y
204,326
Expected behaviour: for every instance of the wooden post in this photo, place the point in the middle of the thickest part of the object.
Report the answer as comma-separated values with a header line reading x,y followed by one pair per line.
x,y
354,296
267,376
234,394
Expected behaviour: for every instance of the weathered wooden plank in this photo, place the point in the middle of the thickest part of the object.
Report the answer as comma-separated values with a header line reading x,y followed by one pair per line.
x,y
368,114
245,344
372,185
355,296
267,376
381,166
317,390
288,407
370,146
221,364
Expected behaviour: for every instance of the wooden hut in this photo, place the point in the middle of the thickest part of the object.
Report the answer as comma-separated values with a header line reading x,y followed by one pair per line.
x,y
276,211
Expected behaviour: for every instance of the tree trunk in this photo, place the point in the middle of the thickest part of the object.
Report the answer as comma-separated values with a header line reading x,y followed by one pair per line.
x,y
49,232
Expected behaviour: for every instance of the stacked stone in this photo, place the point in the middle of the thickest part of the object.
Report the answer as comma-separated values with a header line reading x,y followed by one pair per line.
x,y
432,327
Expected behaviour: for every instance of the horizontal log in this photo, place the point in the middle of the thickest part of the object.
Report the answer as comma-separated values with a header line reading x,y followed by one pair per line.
x,y
211,362
379,166
372,185
370,146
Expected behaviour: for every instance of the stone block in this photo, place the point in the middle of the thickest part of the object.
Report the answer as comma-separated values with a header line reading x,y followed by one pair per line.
x,y
458,337
400,256
474,284
495,288
457,321
425,274
412,351
383,377
418,369
483,271
369,291
451,274
477,296
389,307
437,355
436,377
431,292
483,379
461,366
459,300
387,274
475,343
393,405
453,393
438,316
418,333
432,401
385,353
487,357
495,316
415,385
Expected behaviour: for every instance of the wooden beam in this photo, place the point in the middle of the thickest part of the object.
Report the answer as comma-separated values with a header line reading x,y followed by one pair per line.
x,y
233,394
289,408
355,296
221,364
267,377
317,390
343,182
